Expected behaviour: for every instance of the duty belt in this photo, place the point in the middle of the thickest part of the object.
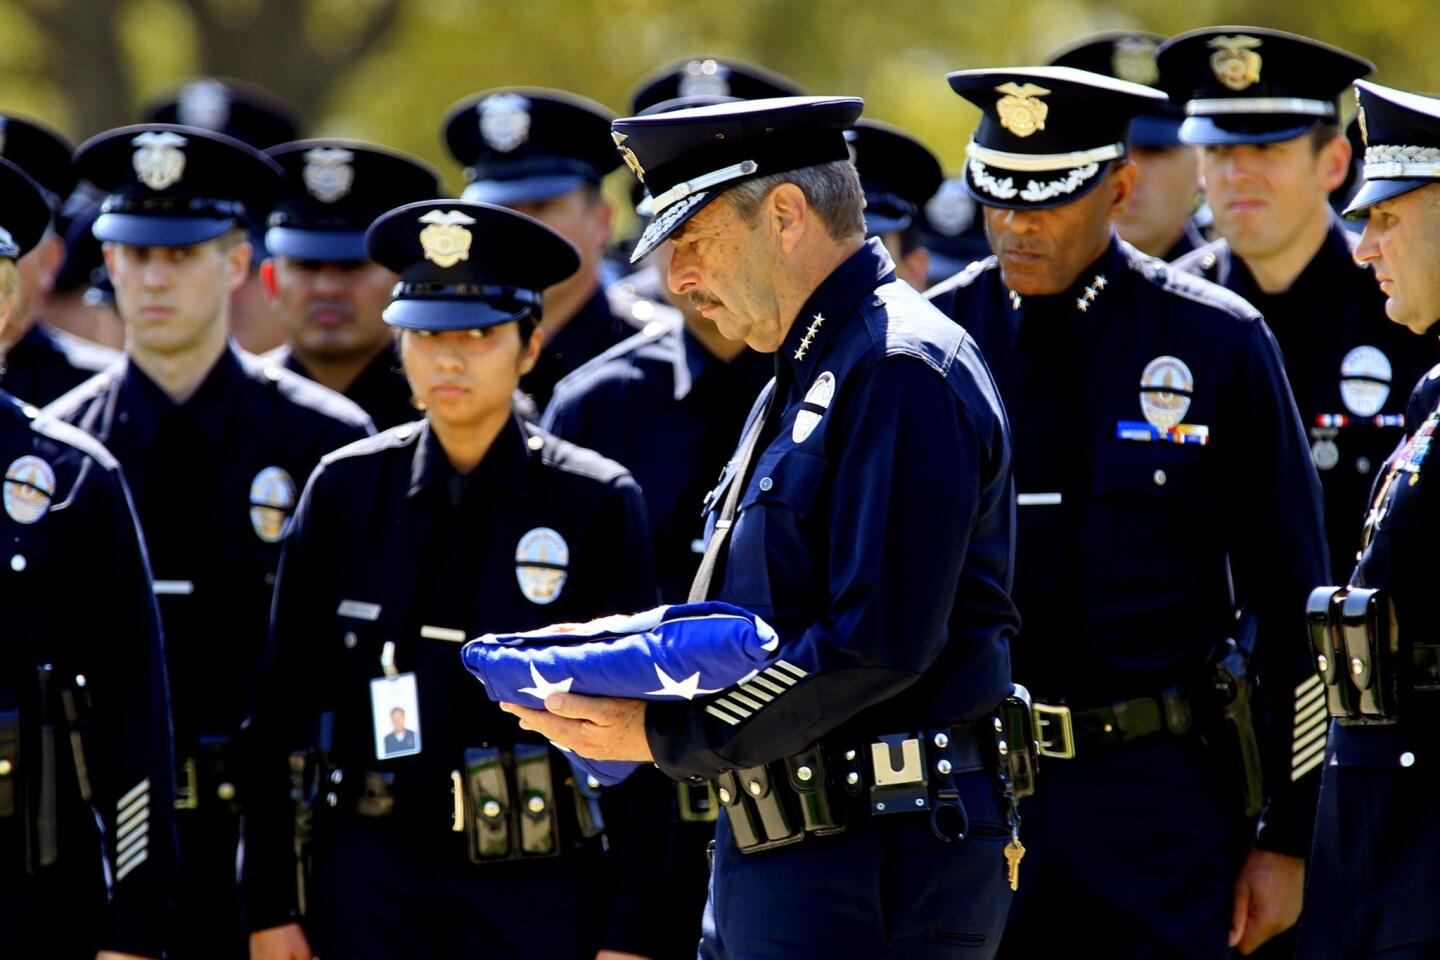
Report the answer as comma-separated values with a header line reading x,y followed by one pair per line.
x,y
1063,732
824,790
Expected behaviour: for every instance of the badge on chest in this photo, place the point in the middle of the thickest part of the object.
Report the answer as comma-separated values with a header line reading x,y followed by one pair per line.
x,y
29,487
272,502
542,563
1166,389
813,407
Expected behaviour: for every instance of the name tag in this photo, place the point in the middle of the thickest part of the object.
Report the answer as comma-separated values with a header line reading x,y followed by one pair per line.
x,y
359,610
1037,499
443,633
174,588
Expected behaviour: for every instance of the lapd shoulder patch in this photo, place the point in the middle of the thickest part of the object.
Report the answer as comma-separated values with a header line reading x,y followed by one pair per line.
x,y
272,502
813,407
542,562
29,488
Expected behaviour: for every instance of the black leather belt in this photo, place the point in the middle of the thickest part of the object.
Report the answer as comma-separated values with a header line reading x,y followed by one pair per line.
x,y
1063,732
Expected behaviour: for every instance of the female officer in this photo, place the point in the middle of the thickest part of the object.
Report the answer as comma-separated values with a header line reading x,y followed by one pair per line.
x,y
436,833
84,715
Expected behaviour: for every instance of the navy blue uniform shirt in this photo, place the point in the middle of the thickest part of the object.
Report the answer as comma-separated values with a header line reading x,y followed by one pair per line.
x,y
215,480
390,543
874,530
75,592
1350,367
1136,549
381,389
594,328
45,363
671,411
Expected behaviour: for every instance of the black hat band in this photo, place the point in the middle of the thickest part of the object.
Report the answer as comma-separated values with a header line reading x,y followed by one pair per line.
x,y
543,166
1226,106
174,206
467,291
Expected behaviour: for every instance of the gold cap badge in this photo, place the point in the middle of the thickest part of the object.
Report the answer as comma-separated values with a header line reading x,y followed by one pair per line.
x,y
1360,119
159,162
1133,60
628,155
1020,112
1235,62
446,241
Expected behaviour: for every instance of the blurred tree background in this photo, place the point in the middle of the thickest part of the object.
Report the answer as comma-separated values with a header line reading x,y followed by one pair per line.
x,y
386,70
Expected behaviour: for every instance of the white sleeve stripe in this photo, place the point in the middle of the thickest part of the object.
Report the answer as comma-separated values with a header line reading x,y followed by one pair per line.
x,y
768,684
142,787
1299,772
786,665
741,698
132,811
733,707
138,836
1310,752
715,712
139,850
780,676
757,693
1306,700
132,825
1308,717
1311,683
123,872
1303,740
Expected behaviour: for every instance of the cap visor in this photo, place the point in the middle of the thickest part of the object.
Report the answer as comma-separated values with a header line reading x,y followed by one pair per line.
x,y
324,246
140,231
667,221
440,315
521,190
878,223
1372,192
1218,132
1156,131
1024,182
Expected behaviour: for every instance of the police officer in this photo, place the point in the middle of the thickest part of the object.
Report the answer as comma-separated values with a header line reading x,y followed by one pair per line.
x,y
1263,107
1159,218
404,545
1377,842
669,401
544,153
863,815
212,441
37,362
86,857
899,175
1144,402
81,301
251,114
327,293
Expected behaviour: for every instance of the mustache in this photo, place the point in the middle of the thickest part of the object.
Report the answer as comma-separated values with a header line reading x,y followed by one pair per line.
x,y
699,298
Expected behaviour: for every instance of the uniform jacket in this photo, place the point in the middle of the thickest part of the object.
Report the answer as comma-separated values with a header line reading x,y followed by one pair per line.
x,y
1137,545
75,589
873,532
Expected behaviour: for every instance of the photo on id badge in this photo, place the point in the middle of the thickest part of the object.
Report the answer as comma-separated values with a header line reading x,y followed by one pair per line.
x,y
395,705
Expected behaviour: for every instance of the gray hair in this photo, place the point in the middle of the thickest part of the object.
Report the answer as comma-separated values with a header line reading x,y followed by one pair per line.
x,y
831,189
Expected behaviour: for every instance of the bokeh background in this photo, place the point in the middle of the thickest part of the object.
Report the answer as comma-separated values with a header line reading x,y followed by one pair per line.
x,y
385,70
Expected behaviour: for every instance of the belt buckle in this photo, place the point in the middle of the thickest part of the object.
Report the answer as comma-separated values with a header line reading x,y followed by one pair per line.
x,y
1050,715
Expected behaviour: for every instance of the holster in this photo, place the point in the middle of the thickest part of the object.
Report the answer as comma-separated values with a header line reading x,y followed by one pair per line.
x,y
210,776
1238,740
1016,745
1358,654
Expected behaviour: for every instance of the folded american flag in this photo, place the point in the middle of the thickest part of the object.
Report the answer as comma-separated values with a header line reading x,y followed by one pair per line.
x,y
677,652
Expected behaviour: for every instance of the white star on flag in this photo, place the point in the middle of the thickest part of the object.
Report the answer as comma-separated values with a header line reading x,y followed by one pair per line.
x,y
689,688
543,688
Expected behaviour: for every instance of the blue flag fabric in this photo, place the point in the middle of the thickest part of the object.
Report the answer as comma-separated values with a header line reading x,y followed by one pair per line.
x,y
681,652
